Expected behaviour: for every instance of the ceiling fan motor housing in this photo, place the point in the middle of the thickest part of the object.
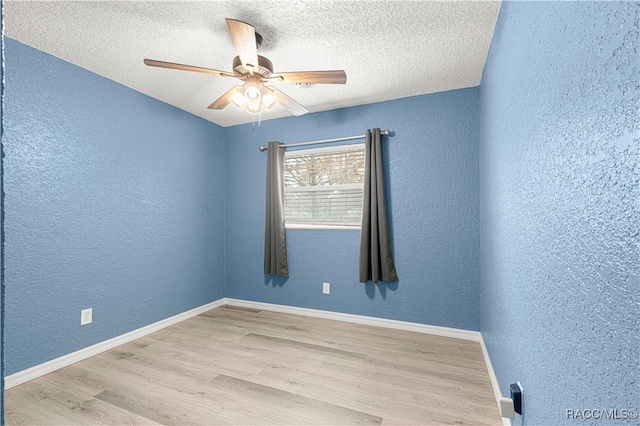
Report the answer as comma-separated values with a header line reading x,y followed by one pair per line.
x,y
265,67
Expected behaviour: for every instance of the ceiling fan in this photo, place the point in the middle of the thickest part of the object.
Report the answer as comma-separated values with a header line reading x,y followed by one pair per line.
x,y
254,70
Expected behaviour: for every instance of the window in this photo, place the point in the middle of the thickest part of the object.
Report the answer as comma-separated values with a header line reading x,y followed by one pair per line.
x,y
323,186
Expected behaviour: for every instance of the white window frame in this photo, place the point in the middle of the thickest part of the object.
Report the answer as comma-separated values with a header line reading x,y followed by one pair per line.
x,y
340,148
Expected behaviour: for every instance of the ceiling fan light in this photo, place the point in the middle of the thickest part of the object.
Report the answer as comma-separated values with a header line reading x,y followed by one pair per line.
x,y
238,100
268,101
252,92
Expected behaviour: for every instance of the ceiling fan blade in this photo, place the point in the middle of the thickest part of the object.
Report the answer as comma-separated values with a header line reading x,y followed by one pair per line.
x,y
171,65
225,99
244,38
288,103
317,77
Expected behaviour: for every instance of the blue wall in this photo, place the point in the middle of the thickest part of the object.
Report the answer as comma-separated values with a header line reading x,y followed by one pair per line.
x,y
560,205
432,170
114,201
1,216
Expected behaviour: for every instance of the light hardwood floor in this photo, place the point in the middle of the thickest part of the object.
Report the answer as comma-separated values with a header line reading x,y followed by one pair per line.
x,y
244,366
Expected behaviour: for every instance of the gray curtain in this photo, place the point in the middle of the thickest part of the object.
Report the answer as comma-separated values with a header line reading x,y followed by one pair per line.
x,y
376,259
275,236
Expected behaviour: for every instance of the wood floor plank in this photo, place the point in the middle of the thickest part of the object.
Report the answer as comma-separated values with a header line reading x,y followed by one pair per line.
x,y
365,392
171,401
290,408
359,395
341,335
247,366
296,346
51,403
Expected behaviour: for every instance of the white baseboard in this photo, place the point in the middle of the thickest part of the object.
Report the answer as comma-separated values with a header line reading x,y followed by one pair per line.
x,y
494,380
65,360
360,319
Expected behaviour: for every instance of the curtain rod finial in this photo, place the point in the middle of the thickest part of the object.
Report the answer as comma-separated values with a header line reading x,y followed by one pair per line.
x,y
263,148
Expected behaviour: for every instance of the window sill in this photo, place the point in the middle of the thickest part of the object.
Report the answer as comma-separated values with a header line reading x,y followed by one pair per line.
x,y
305,226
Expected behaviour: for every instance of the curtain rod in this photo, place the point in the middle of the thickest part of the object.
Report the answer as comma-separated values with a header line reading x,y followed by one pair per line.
x,y
347,138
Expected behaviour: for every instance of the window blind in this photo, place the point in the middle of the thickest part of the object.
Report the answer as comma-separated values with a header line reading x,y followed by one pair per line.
x,y
323,186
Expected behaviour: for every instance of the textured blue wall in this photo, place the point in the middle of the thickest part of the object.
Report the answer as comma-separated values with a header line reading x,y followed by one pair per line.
x,y
560,205
114,201
1,216
432,169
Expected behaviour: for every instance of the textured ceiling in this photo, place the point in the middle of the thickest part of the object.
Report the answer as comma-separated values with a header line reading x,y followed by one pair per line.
x,y
389,49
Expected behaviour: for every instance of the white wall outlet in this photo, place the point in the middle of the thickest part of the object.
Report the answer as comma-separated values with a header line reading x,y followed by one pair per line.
x,y
326,288
86,316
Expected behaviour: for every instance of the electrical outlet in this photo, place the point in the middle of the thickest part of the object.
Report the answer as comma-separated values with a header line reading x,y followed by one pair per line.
x,y
326,288
86,316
